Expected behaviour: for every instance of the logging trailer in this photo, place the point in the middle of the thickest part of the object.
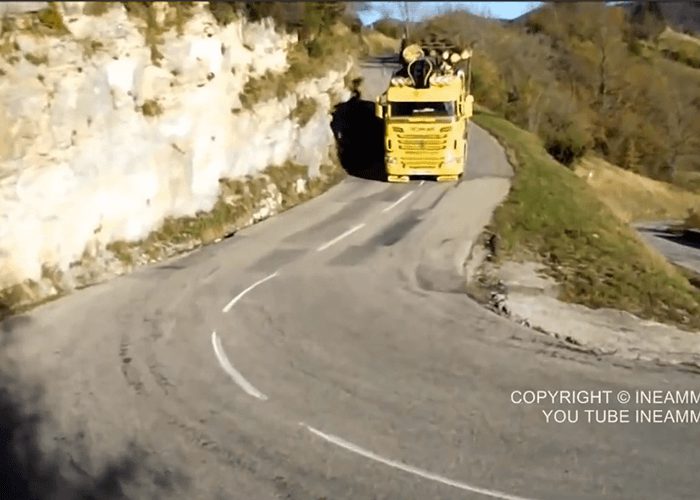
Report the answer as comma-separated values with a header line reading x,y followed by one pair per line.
x,y
426,111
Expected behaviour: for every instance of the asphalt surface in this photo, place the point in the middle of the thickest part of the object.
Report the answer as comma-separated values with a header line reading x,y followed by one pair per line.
x,y
356,369
675,247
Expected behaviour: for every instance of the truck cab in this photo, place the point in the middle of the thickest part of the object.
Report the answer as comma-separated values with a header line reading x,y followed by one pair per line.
x,y
426,116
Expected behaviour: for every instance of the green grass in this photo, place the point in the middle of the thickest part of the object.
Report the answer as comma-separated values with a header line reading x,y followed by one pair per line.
x,y
551,216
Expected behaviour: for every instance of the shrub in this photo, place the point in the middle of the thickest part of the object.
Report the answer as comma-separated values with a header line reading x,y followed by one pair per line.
x,y
566,146
308,19
36,60
145,12
224,12
181,12
487,83
315,48
565,136
388,27
306,107
96,8
693,220
151,107
51,19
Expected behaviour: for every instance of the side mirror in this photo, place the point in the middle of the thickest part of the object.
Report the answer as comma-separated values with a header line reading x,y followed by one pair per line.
x,y
469,105
378,110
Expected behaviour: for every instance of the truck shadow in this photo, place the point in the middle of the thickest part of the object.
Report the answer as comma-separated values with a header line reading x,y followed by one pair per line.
x,y
359,136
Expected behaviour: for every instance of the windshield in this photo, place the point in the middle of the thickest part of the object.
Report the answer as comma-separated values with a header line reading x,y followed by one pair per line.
x,y
423,108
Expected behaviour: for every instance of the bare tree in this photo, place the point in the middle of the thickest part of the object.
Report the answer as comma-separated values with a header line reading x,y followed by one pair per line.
x,y
682,126
479,10
356,8
409,12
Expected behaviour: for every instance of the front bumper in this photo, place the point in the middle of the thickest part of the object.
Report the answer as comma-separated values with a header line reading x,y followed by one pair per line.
x,y
399,167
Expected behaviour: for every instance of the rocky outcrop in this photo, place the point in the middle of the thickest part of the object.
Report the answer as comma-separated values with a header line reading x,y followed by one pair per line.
x,y
112,131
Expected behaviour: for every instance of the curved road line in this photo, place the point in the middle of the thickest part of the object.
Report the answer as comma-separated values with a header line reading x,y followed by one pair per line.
x,y
235,374
238,297
410,469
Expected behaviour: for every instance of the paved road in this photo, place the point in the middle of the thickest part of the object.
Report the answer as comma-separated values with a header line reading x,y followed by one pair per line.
x,y
677,249
352,366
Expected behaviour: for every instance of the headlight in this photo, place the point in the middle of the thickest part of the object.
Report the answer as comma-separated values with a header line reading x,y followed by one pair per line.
x,y
391,160
450,157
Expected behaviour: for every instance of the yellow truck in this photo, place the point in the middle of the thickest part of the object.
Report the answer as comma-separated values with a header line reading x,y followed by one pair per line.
x,y
426,111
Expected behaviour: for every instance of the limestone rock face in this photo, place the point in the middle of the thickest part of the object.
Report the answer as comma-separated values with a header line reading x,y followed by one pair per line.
x,y
101,144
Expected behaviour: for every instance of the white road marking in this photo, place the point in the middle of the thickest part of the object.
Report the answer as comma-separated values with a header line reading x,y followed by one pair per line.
x,y
386,209
412,470
235,374
338,238
238,297
421,182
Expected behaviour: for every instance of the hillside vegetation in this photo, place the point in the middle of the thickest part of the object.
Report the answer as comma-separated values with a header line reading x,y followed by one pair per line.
x,y
552,217
590,87
633,197
585,77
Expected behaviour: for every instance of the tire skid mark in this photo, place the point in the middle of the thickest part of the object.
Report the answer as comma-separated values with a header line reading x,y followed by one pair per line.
x,y
130,372
157,370
241,459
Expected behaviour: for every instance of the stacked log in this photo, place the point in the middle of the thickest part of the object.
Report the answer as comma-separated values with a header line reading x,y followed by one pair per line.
x,y
445,53
445,58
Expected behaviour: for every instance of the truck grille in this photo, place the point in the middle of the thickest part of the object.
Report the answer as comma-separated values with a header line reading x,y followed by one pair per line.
x,y
422,142
422,150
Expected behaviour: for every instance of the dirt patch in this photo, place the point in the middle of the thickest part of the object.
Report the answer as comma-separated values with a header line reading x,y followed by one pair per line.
x,y
560,262
522,292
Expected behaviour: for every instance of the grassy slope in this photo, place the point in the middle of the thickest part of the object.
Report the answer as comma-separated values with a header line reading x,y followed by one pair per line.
x,y
553,217
633,197
682,47
692,221
379,44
